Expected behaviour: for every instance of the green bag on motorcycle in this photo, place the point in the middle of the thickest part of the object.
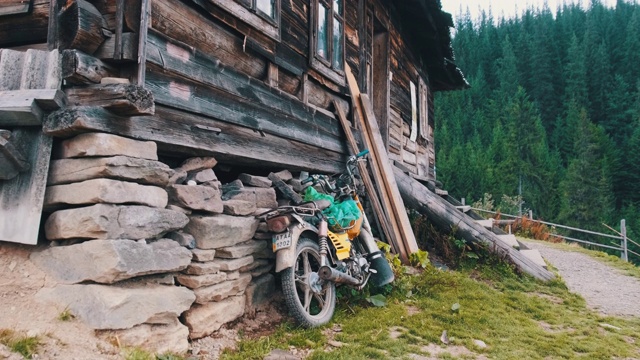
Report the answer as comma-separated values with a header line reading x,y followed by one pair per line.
x,y
339,215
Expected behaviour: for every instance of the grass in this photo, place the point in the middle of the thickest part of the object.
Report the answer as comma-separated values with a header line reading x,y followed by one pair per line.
x,y
140,354
66,315
22,344
517,317
615,261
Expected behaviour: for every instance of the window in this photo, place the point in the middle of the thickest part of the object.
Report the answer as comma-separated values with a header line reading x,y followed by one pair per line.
x,y
263,15
327,40
264,8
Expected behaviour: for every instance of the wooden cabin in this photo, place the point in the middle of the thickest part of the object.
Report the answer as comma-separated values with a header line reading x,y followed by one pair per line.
x,y
254,83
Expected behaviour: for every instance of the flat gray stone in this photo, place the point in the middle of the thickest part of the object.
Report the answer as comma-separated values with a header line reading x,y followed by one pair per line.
x,y
279,354
260,291
254,265
203,255
261,270
202,176
126,168
239,207
109,261
262,197
296,184
113,222
196,197
182,238
198,281
111,307
196,268
197,164
257,181
214,232
179,209
284,175
101,144
204,320
266,253
233,264
155,338
223,290
99,191
232,275
241,250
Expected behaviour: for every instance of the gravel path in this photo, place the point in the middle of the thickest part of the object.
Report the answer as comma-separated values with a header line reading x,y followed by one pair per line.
x,y
603,287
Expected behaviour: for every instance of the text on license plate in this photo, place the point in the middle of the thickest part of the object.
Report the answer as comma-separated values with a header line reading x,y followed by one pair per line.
x,y
281,241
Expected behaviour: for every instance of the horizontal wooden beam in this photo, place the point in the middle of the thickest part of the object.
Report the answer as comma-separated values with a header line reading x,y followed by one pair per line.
x,y
121,99
29,27
205,69
79,68
82,26
208,101
181,133
27,107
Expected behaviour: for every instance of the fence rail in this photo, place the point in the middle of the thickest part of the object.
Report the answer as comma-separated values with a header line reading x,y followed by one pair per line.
x,y
621,235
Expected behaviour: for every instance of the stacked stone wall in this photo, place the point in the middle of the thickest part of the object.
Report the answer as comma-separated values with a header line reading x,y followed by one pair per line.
x,y
150,255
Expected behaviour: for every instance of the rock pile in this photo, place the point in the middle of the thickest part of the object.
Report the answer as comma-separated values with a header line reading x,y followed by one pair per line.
x,y
139,249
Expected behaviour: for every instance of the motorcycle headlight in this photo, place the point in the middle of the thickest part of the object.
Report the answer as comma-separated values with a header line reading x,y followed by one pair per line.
x,y
279,224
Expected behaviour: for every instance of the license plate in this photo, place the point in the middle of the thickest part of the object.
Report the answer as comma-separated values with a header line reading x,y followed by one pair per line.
x,y
281,241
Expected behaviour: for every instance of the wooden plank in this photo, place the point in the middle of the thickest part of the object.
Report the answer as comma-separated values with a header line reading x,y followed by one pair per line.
x,y
12,160
376,171
24,28
117,52
79,68
206,69
445,215
181,133
22,197
145,23
27,107
128,47
398,208
382,218
81,26
409,158
121,99
12,7
10,69
209,101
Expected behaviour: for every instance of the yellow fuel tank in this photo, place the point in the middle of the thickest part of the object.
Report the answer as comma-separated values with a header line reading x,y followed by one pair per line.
x,y
342,244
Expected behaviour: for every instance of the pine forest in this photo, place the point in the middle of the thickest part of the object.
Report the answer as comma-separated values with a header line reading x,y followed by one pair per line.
x,y
551,121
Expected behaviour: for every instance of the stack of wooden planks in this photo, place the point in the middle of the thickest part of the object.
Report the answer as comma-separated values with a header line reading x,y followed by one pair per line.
x,y
382,189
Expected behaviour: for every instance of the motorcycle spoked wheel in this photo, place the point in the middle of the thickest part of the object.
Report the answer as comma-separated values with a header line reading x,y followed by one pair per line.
x,y
310,303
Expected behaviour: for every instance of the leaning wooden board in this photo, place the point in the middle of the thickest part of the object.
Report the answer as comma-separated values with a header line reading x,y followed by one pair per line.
x,y
368,183
21,198
399,210
378,176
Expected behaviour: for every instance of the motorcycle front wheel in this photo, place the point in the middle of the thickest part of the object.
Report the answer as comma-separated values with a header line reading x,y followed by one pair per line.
x,y
311,300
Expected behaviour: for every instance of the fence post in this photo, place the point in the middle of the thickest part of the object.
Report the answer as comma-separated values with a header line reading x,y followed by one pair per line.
x,y
530,214
462,201
623,230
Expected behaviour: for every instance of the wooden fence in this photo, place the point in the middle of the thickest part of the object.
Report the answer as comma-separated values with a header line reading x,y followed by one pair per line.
x,y
620,237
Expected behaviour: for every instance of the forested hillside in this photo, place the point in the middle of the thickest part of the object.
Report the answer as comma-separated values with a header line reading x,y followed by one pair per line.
x,y
553,113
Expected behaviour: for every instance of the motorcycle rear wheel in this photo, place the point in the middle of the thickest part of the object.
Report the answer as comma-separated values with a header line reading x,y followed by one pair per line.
x,y
310,300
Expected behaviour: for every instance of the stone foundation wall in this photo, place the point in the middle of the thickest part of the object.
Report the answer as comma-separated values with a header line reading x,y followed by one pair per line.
x,y
150,254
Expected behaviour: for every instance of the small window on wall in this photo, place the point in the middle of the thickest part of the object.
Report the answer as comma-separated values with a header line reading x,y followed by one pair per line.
x,y
263,15
327,40
424,110
264,8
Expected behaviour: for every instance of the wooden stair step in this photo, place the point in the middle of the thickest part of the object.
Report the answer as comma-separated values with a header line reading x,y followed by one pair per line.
x,y
488,223
535,256
510,240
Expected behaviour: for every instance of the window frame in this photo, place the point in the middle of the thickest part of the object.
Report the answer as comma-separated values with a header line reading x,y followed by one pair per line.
x,y
247,11
316,61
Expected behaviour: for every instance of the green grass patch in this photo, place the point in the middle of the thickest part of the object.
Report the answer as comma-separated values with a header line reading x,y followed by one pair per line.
x,y
627,268
517,317
26,346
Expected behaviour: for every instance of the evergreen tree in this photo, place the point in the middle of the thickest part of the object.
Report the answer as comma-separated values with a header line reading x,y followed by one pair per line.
x,y
586,189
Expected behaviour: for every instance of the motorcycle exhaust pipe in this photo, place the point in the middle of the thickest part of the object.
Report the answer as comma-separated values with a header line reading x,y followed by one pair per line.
x,y
330,274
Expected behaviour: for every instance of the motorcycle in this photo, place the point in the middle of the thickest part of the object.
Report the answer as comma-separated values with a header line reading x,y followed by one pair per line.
x,y
315,251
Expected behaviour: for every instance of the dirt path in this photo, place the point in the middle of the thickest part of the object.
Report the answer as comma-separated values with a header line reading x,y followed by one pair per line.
x,y
603,287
